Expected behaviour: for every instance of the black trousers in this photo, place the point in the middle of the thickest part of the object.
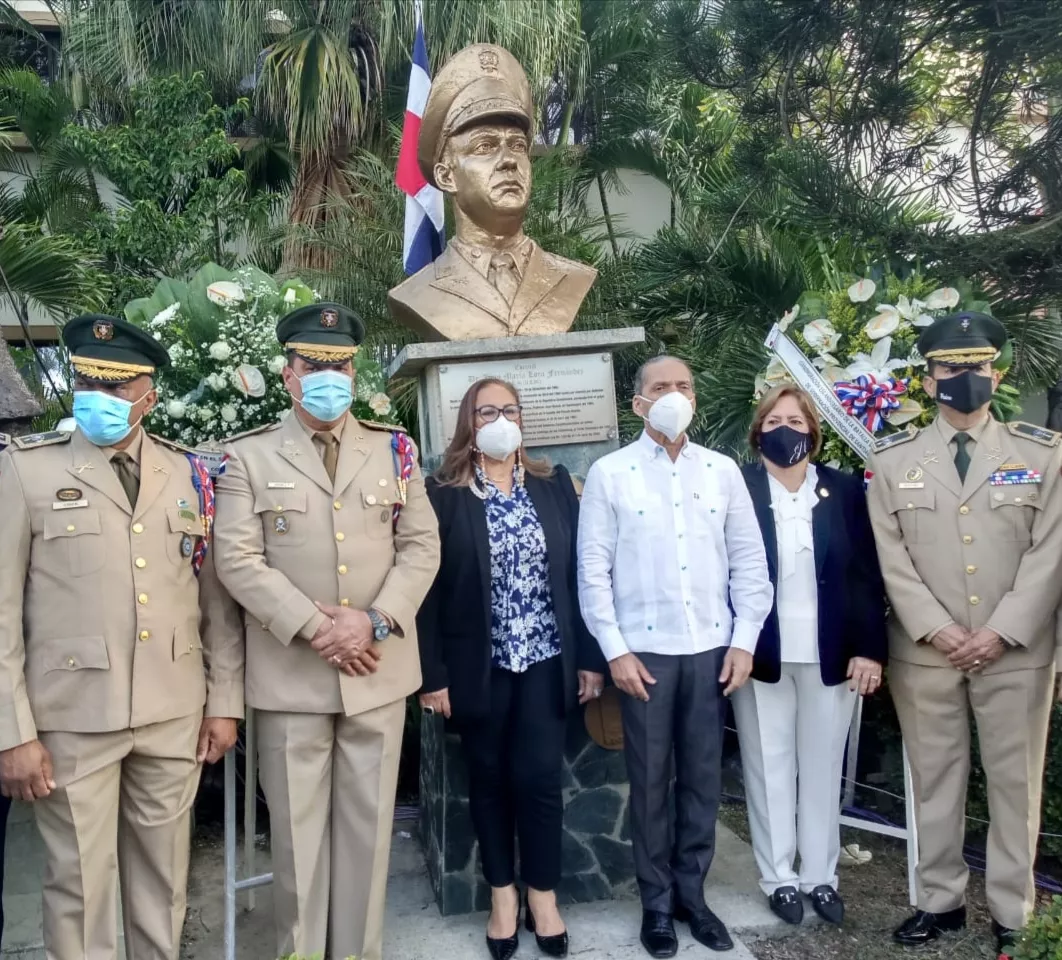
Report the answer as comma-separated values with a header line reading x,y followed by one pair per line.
x,y
514,757
5,807
682,722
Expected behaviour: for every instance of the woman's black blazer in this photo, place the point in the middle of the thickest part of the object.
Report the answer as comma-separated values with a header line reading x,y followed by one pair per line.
x,y
453,625
851,593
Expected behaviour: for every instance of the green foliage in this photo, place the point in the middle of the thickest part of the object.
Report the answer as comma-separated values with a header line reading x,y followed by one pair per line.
x,y
1042,937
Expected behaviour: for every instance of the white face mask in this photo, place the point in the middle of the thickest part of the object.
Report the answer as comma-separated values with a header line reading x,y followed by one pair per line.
x,y
499,439
670,415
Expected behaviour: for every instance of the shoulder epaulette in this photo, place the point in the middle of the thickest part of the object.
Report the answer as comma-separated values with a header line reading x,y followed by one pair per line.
x,y
389,427
895,439
171,444
1030,431
33,440
265,428
5,440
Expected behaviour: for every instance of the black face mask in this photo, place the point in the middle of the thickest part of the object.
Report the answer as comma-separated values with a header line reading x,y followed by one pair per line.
x,y
967,392
785,446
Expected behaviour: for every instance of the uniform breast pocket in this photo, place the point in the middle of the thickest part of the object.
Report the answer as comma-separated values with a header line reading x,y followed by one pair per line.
x,y
283,514
378,509
74,541
1015,510
183,530
915,510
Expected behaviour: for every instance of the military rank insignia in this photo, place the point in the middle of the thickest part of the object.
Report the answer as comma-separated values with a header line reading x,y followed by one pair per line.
x,y
1011,473
280,525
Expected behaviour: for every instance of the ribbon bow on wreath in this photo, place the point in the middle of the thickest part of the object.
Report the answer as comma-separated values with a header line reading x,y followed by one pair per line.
x,y
869,398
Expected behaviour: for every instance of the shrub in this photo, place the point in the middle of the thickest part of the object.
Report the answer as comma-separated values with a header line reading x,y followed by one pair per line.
x,y
1042,937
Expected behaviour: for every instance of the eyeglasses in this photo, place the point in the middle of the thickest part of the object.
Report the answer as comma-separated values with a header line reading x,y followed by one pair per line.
x,y
490,413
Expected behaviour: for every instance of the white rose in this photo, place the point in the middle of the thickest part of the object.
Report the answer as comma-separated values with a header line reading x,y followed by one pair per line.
x,y
220,350
176,351
224,292
862,290
163,315
228,413
175,409
380,404
277,364
883,324
943,298
205,413
216,382
289,297
821,336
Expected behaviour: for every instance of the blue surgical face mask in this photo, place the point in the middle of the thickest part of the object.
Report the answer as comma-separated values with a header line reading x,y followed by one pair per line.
x,y
103,418
326,394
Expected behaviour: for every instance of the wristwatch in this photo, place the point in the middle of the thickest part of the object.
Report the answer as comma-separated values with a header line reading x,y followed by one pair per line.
x,y
381,629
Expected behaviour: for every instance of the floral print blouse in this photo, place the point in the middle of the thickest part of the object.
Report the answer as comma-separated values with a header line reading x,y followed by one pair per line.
x,y
523,625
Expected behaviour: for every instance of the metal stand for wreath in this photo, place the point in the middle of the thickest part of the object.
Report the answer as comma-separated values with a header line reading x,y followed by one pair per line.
x,y
250,823
910,833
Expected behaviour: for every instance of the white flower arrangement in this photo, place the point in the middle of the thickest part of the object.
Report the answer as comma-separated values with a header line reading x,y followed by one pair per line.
x,y
224,376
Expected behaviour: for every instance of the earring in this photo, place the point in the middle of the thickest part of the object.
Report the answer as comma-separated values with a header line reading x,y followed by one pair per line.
x,y
520,467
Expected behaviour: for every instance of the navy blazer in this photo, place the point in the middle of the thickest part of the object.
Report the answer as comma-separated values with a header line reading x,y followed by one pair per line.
x,y
851,593
454,622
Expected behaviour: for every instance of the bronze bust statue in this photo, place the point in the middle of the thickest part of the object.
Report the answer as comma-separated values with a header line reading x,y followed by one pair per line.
x,y
491,280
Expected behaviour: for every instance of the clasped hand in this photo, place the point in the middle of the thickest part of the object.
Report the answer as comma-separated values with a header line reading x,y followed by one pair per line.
x,y
969,651
345,640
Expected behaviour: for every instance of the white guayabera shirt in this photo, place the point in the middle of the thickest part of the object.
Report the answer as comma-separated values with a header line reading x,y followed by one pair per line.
x,y
671,559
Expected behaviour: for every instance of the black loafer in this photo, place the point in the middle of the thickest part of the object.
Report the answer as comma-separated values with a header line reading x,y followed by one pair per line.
x,y
1006,939
925,927
658,934
785,902
555,945
827,904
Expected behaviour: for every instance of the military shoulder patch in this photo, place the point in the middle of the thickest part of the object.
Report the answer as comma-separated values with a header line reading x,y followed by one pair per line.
x,y
171,444
265,428
5,440
33,440
389,427
895,439
1032,432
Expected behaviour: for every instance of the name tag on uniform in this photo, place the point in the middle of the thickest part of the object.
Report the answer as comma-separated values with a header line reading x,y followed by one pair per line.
x,y
69,504
280,485
911,486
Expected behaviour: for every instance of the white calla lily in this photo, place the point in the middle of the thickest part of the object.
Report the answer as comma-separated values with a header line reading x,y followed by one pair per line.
x,y
223,292
922,320
943,298
821,336
884,323
788,317
862,290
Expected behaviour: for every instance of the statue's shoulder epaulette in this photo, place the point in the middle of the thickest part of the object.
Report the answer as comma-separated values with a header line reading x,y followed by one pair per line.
x,y
1029,431
895,439
5,440
170,444
389,427
265,428
31,441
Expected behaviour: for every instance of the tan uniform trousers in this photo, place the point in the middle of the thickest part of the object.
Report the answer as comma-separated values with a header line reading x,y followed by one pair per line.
x,y
330,782
122,810
1012,711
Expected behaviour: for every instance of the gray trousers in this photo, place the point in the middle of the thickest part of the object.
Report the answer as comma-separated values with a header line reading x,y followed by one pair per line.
x,y
683,721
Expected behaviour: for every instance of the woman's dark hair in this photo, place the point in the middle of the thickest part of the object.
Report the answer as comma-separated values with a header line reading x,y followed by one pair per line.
x,y
459,461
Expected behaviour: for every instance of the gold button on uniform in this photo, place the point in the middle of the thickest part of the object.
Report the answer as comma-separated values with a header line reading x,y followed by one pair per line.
x,y
971,569
975,600
1017,499
383,483
144,634
140,563
70,528
370,500
138,528
967,539
337,505
71,662
342,568
341,537
279,508
142,598
910,506
964,509
344,602
998,497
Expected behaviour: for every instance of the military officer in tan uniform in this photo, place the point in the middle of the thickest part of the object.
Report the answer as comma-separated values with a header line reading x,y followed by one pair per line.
x,y
114,635
326,538
967,514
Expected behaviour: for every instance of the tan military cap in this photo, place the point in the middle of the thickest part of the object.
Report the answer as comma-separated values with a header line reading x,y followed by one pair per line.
x,y
475,84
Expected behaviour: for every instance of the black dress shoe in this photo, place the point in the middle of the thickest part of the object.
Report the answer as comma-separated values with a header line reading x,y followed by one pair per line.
x,y
1006,938
786,903
658,934
828,904
925,927
708,930
503,948
555,945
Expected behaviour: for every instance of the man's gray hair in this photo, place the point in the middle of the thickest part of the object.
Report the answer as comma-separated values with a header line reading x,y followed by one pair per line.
x,y
639,377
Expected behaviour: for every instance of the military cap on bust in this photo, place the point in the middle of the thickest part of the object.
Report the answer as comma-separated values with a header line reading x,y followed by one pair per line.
x,y
965,339
479,83
322,332
111,349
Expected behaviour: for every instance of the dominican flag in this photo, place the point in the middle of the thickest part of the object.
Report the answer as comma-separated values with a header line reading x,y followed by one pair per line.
x,y
425,228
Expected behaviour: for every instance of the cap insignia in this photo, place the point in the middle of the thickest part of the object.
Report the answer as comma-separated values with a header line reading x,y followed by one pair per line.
x,y
329,318
965,324
488,61
103,330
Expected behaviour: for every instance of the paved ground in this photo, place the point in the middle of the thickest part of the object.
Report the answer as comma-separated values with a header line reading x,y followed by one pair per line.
x,y
415,931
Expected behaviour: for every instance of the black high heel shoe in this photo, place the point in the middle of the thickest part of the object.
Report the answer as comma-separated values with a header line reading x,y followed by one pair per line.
x,y
503,948
553,946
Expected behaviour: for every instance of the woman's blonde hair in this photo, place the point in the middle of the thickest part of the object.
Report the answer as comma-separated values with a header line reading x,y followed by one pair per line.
x,y
807,407
459,461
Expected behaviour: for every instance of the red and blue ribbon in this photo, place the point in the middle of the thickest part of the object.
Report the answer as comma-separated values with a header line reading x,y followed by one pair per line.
x,y
869,398
405,455
204,486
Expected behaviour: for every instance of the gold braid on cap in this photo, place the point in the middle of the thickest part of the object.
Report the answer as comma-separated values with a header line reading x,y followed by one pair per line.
x,y
322,352
961,356
112,370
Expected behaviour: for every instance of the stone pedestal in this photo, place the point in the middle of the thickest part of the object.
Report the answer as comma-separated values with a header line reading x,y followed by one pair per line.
x,y
567,388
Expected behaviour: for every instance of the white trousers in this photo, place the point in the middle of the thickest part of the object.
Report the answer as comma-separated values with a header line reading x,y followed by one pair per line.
x,y
792,736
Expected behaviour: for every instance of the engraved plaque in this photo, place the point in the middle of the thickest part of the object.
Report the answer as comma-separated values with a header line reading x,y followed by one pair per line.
x,y
567,399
